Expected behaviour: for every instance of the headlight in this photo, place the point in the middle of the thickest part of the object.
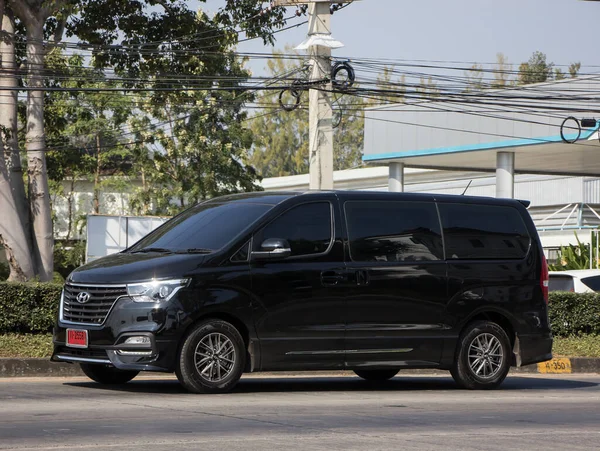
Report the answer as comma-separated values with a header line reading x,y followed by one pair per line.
x,y
156,290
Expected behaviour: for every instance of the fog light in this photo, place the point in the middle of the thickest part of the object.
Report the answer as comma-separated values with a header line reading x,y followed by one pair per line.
x,y
135,353
138,341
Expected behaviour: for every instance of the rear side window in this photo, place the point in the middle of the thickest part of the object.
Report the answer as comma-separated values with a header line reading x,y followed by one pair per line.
x,y
483,232
593,283
561,283
393,231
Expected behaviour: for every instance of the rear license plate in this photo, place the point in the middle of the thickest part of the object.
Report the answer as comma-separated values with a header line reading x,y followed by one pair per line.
x,y
77,338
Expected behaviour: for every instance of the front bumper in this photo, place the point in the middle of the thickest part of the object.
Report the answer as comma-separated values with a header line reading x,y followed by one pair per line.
x,y
161,324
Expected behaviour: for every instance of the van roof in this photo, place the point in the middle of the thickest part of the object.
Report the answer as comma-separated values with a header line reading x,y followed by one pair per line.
x,y
276,197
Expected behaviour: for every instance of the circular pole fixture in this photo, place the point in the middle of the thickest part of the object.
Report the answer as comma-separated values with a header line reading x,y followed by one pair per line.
x,y
286,106
342,76
562,128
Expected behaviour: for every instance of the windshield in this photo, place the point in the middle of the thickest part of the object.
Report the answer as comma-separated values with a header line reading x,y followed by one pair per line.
x,y
204,228
592,282
561,283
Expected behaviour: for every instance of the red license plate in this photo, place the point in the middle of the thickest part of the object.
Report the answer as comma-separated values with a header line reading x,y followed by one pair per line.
x,y
77,338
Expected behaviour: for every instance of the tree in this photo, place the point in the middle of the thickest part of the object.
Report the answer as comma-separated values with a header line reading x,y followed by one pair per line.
x,y
474,78
281,137
197,156
146,33
574,69
535,70
388,90
33,14
13,235
502,74
93,124
427,88
349,134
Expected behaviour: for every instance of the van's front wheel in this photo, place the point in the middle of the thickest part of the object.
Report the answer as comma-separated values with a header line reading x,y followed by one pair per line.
x,y
483,356
212,358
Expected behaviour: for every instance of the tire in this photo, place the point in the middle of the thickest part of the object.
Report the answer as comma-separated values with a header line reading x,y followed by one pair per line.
x,y
376,375
107,375
482,340
200,369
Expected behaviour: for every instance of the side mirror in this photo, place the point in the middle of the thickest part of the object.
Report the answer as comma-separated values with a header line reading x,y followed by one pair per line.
x,y
272,249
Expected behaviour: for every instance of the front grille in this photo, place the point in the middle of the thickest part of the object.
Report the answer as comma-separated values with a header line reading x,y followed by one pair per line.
x,y
94,311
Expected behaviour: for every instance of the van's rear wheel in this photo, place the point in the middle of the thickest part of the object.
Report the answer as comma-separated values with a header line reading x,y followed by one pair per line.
x,y
107,375
376,375
212,358
483,356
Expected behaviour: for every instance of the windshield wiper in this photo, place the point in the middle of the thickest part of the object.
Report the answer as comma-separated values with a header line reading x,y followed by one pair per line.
x,y
195,250
160,250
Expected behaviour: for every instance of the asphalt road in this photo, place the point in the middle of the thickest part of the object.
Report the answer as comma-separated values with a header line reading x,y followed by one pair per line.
x,y
409,412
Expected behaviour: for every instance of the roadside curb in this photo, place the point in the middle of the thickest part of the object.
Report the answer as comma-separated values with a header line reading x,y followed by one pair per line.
x,y
46,368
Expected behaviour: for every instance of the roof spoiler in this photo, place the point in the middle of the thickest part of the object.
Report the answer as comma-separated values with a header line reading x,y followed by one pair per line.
x,y
525,203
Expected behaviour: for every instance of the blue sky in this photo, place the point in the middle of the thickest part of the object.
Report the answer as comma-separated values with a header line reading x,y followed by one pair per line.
x,y
459,30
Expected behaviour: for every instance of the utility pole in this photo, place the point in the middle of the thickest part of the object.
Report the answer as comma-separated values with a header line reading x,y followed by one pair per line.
x,y
319,44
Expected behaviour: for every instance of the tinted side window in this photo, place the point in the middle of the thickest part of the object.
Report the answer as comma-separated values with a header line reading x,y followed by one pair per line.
x,y
393,231
307,227
561,283
483,232
593,283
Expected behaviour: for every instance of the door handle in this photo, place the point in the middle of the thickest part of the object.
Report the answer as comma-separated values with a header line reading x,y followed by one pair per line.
x,y
332,277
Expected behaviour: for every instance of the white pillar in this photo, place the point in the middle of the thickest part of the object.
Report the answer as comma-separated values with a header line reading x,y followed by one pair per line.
x,y
396,179
320,113
505,175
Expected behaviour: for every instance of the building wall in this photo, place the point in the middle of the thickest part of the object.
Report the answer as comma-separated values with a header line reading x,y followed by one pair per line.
x,y
114,200
438,124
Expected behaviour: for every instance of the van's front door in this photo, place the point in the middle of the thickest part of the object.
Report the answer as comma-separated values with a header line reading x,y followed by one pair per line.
x,y
298,300
394,313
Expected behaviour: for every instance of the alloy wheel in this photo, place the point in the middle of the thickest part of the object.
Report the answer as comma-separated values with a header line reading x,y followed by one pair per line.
x,y
485,356
214,357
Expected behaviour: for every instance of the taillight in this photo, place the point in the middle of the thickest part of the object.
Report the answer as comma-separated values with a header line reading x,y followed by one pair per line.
x,y
544,278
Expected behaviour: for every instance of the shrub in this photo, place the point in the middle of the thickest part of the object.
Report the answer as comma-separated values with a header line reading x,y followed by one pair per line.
x,y
68,255
572,313
28,307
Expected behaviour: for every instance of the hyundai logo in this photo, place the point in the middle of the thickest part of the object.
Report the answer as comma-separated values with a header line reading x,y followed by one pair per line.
x,y
83,297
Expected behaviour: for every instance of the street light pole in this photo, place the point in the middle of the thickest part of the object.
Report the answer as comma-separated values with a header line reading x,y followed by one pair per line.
x,y
320,110
318,44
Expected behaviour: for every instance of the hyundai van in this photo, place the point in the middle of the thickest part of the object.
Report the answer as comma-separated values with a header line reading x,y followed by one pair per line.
x,y
371,282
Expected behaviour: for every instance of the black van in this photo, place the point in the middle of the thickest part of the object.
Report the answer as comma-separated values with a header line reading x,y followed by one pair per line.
x,y
366,281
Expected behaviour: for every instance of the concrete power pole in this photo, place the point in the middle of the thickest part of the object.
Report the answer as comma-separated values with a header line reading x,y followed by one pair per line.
x,y
319,44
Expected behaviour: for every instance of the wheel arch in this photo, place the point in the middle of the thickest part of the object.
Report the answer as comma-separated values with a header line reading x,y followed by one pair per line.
x,y
236,322
503,320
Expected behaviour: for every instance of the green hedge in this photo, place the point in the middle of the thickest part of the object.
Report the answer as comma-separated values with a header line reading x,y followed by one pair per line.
x,y
32,308
573,314
28,308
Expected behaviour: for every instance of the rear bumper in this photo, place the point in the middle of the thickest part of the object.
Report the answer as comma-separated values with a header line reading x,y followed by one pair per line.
x,y
534,348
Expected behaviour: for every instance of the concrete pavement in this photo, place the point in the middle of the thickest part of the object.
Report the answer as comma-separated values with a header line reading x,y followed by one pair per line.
x,y
533,412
